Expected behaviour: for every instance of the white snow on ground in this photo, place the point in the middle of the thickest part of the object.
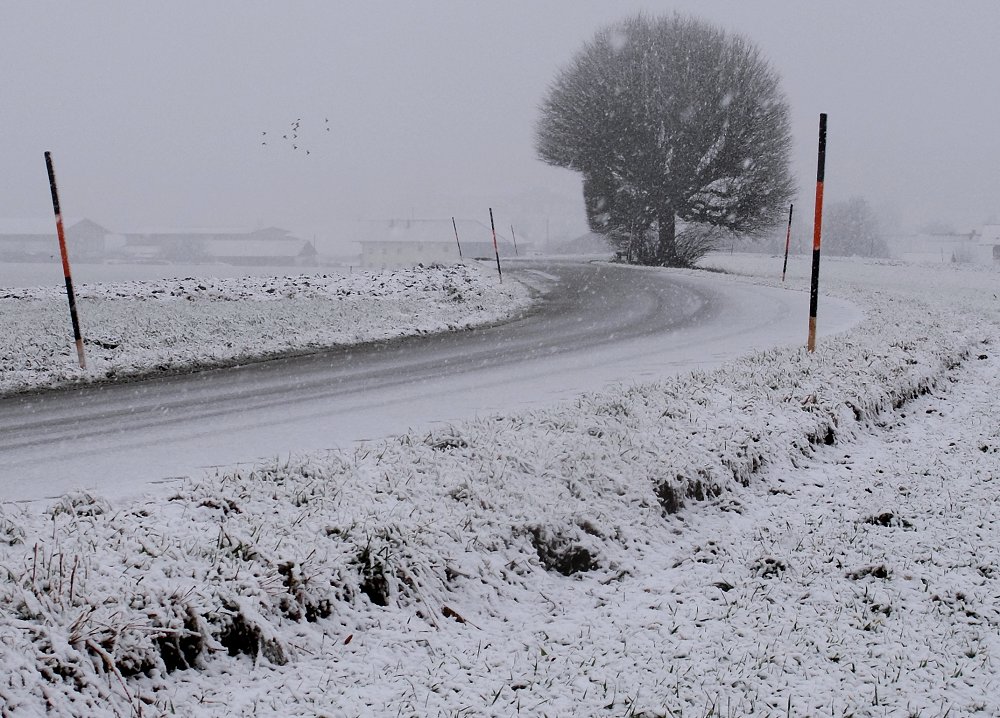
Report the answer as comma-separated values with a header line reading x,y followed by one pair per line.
x,y
204,322
792,534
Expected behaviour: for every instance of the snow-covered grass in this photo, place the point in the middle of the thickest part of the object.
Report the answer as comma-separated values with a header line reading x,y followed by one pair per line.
x,y
793,534
206,322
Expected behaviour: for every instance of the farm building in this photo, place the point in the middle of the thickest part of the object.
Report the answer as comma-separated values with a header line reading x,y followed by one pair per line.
x,y
259,247
25,240
976,246
407,242
87,241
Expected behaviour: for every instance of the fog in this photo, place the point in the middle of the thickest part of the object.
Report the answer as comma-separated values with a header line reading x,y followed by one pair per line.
x,y
156,114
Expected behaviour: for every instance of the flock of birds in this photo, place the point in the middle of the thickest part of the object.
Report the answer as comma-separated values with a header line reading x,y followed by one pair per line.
x,y
290,136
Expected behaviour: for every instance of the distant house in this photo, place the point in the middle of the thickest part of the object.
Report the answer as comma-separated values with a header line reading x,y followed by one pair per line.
x,y
990,237
259,247
386,244
35,239
87,241
976,246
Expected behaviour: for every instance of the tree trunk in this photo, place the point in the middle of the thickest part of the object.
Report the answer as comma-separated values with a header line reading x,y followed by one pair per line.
x,y
666,246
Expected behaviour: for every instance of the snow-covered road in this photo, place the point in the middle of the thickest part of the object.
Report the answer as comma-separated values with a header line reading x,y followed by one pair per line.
x,y
595,325
790,534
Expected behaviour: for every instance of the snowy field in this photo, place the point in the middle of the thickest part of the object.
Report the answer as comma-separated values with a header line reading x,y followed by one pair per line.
x,y
49,274
219,321
791,534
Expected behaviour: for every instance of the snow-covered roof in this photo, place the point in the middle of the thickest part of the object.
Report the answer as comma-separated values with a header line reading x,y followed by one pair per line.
x,y
227,234
189,231
990,234
43,227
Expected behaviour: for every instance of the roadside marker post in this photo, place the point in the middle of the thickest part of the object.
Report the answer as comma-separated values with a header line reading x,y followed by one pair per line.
x,y
817,233
788,241
495,250
513,237
71,295
453,224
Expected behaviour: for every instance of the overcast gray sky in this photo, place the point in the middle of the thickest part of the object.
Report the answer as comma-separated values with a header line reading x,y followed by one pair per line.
x,y
155,112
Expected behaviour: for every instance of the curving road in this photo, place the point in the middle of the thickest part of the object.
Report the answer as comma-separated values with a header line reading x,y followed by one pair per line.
x,y
595,324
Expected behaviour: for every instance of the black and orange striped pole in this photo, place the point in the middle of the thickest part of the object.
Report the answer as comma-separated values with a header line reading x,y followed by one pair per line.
x,y
788,241
453,224
65,262
817,233
495,250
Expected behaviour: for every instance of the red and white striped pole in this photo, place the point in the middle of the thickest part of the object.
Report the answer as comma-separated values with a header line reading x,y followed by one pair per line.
x,y
496,251
788,241
453,224
817,233
71,295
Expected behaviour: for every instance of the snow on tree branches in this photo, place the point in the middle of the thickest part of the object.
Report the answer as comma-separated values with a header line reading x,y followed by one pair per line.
x,y
680,131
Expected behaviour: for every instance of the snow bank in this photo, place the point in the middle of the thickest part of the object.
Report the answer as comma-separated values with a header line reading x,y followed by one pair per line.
x,y
210,322
787,535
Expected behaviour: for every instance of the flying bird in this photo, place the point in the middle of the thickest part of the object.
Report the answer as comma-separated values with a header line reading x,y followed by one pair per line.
x,y
292,136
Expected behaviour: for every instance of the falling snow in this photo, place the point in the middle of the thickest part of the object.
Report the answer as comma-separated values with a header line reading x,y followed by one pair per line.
x,y
791,534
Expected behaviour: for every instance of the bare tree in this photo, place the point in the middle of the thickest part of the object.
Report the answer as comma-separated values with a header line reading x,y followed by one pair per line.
x,y
851,228
673,124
